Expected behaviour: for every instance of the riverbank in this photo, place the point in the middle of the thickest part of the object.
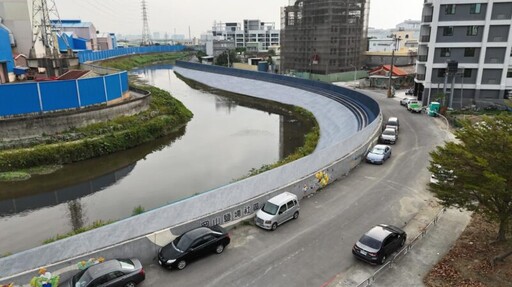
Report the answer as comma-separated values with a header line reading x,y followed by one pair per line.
x,y
165,115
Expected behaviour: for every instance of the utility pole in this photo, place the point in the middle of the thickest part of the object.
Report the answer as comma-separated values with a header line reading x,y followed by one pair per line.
x,y
390,93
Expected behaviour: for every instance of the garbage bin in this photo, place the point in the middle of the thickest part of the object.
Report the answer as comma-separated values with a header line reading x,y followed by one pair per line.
x,y
433,109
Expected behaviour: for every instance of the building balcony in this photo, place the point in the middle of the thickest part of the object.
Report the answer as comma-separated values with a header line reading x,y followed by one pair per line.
x,y
420,77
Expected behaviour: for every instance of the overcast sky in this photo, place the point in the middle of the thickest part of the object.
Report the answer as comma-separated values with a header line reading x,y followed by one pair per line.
x,y
175,17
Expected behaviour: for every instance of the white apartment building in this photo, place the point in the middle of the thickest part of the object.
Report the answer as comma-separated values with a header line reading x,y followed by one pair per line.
x,y
253,33
464,53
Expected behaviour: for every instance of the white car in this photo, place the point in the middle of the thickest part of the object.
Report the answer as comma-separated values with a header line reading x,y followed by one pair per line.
x,y
405,101
379,154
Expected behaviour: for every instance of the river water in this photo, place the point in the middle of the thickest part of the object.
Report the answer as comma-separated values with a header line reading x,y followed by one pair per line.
x,y
227,137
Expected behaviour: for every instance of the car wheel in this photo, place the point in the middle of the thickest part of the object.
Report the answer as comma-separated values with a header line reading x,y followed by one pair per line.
x,y
130,284
182,264
274,226
383,259
219,249
296,215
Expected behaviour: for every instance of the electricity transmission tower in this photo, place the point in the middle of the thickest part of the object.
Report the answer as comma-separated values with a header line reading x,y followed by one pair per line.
x,y
43,29
146,36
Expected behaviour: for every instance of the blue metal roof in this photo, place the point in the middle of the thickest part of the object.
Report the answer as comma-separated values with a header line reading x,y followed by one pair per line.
x,y
73,23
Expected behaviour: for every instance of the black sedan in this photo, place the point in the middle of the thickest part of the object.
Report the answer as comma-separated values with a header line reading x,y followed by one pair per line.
x,y
376,245
111,273
192,245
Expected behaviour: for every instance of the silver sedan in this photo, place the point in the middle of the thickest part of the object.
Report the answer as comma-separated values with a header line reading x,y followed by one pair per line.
x,y
379,154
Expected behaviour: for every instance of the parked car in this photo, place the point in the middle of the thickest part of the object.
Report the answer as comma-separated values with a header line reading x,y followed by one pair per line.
x,y
376,245
393,123
277,211
405,101
193,245
378,154
111,273
409,91
389,135
414,106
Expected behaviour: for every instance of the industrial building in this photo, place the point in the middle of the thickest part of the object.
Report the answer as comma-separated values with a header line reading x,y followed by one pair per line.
x,y
324,36
464,53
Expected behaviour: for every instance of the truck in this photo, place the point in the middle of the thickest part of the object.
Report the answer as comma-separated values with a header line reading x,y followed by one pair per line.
x,y
414,106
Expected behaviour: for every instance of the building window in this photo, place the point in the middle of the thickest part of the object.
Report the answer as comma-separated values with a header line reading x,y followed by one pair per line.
x,y
450,9
472,31
441,73
509,73
448,31
469,52
475,8
467,73
445,52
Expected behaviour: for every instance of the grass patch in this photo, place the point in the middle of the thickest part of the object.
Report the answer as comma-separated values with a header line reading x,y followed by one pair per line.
x,y
94,225
138,210
14,176
130,62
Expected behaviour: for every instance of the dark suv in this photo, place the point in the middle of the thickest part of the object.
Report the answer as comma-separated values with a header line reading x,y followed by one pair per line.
x,y
376,245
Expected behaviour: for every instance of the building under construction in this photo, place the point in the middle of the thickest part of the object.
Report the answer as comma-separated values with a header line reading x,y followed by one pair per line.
x,y
324,36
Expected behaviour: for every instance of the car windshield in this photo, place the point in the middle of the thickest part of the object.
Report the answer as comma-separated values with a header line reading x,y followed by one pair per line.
x,y
389,132
82,279
370,242
270,208
378,150
182,243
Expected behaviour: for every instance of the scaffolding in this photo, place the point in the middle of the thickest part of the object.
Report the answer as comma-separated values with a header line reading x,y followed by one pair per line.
x,y
324,36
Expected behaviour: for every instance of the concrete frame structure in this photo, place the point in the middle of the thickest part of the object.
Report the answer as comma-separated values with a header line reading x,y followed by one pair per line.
x,y
474,36
324,36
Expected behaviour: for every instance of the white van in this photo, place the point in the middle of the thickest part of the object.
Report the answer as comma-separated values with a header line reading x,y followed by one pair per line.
x,y
277,211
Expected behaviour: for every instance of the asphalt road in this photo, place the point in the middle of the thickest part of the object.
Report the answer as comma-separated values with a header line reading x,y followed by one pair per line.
x,y
311,250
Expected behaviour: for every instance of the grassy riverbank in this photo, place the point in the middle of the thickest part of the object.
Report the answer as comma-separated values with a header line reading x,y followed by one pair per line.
x,y
164,116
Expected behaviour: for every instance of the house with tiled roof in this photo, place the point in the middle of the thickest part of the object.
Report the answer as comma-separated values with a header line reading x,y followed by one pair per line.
x,y
401,77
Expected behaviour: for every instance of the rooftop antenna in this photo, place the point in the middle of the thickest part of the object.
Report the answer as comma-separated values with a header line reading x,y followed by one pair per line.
x,y
43,29
146,35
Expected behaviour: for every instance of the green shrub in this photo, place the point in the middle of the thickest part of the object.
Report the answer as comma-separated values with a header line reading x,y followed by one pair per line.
x,y
138,210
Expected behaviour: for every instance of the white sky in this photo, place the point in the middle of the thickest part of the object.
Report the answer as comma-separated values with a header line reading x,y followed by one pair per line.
x,y
175,17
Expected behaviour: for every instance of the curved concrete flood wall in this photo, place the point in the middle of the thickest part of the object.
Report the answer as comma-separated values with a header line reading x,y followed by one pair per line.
x,y
228,204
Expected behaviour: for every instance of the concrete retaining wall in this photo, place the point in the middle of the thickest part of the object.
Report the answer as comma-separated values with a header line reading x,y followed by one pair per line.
x,y
50,123
224,205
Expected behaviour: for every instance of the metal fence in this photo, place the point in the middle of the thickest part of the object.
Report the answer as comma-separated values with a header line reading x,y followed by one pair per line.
x,y
41,97
91,56
403,251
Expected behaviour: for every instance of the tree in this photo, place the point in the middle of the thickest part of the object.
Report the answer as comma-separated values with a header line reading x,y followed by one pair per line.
x,y
223,60
200,55
475,173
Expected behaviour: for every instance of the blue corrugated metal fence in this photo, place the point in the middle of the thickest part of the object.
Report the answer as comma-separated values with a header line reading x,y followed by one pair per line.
x,y
86,56
40,97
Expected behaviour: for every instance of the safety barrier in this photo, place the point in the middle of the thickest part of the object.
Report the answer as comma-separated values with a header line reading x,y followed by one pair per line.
x,y
41,97
365,103
92,56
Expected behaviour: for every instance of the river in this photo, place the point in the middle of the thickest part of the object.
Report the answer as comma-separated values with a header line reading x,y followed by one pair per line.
x,y
227,137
